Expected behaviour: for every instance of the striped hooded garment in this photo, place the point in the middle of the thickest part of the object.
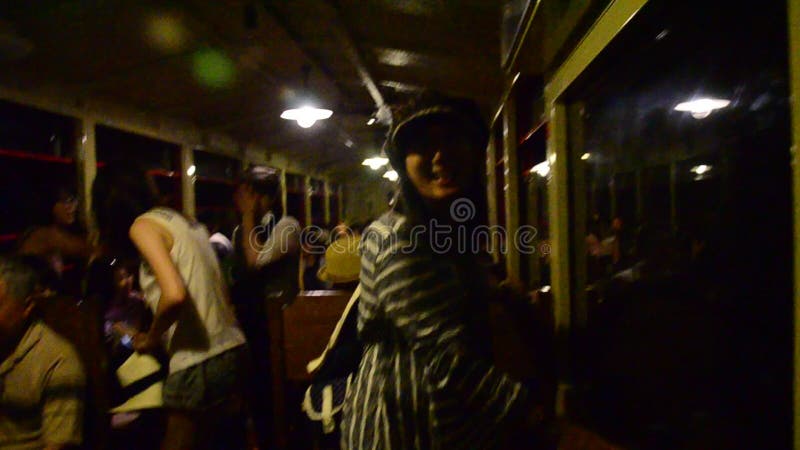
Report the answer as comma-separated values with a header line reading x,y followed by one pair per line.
x,y
425,380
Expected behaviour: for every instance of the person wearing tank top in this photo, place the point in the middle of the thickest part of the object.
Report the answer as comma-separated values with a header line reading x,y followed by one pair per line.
x,y
193,318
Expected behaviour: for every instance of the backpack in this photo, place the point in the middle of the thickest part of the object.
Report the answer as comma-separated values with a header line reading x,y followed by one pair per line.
x,y
332,372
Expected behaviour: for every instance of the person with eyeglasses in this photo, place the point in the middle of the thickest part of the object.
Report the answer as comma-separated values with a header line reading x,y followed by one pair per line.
x,y
59,240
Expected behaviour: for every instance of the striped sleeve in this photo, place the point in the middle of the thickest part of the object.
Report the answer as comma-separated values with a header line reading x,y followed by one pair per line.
x,y
421,296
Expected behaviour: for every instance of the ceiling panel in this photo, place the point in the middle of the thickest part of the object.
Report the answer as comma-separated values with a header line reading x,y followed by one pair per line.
x,y
232,66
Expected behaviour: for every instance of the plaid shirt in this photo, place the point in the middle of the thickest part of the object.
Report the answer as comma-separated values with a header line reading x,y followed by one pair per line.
x,y
41,392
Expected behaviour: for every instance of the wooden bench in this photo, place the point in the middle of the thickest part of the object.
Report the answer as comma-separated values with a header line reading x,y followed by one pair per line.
x,y
299,333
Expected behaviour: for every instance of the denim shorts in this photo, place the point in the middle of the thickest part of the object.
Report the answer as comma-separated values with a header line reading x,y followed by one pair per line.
x,y
212,383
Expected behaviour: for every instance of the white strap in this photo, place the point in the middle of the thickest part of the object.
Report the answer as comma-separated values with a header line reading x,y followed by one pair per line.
x,y
314,364
327,410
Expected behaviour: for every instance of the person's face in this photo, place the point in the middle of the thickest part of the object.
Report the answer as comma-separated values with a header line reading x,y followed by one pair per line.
x,y
64,210
123,281
441,162
13,314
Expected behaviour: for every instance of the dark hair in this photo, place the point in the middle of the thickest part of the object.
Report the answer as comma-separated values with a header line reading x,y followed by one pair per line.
x,y
428,107
121,193
414,116
264,180
46,196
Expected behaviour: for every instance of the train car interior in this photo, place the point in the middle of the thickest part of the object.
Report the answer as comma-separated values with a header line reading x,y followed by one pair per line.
x,y
627,168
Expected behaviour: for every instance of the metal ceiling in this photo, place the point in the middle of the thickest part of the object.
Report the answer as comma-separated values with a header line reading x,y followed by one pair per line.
x,y
231,66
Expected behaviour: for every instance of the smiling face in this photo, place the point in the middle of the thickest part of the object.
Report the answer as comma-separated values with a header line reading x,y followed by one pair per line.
x,y
441,161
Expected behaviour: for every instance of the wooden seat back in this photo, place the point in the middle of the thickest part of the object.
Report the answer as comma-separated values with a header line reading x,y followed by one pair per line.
x,y
307,325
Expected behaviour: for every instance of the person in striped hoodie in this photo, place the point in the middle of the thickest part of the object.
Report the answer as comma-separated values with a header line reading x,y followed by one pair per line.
x,y
426,378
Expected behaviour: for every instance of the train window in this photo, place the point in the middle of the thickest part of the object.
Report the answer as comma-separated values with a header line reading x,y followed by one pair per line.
x,y
533,206
214,188
160,158
296,197
334,202
36,158
318,202
681,229
531,155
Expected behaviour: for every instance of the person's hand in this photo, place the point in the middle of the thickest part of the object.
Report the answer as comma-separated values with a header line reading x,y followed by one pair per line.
x,y
245,199
145,343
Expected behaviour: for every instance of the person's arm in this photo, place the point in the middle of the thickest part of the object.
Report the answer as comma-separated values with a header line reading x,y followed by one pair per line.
x,y
63,403
423,300
284,240
51,239
154,243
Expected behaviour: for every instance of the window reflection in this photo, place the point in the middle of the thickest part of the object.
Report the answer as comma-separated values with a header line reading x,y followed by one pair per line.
x,y
682,225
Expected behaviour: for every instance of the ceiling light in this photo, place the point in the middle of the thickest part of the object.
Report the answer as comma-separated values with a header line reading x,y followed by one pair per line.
x,y
191,170
371,121
391,175
702,107
306,116
542,169
586,156
701,169
375,163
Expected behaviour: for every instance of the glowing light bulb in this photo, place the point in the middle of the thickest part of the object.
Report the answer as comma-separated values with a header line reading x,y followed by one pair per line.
x,y
391,175
701,169
306,122
191,170
542,169
702,107
306,116
375,163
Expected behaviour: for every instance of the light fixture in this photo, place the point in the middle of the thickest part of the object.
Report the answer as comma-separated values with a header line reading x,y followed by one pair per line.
x,y
308,114
701,169
702,107
371,121
542,169
191,170
586,156
391,175
376,162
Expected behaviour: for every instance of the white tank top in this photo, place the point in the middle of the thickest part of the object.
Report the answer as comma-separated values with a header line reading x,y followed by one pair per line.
x,y
206,326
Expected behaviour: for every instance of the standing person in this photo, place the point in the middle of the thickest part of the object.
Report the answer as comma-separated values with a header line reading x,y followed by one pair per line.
x,y
426,378
267,241
183,286
42,382
265,269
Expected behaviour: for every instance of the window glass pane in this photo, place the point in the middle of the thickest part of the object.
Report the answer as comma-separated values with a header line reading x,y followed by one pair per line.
x,y
682,264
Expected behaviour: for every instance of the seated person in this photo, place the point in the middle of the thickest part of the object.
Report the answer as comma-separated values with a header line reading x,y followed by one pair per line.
x,y
59,239
342,263
43,380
